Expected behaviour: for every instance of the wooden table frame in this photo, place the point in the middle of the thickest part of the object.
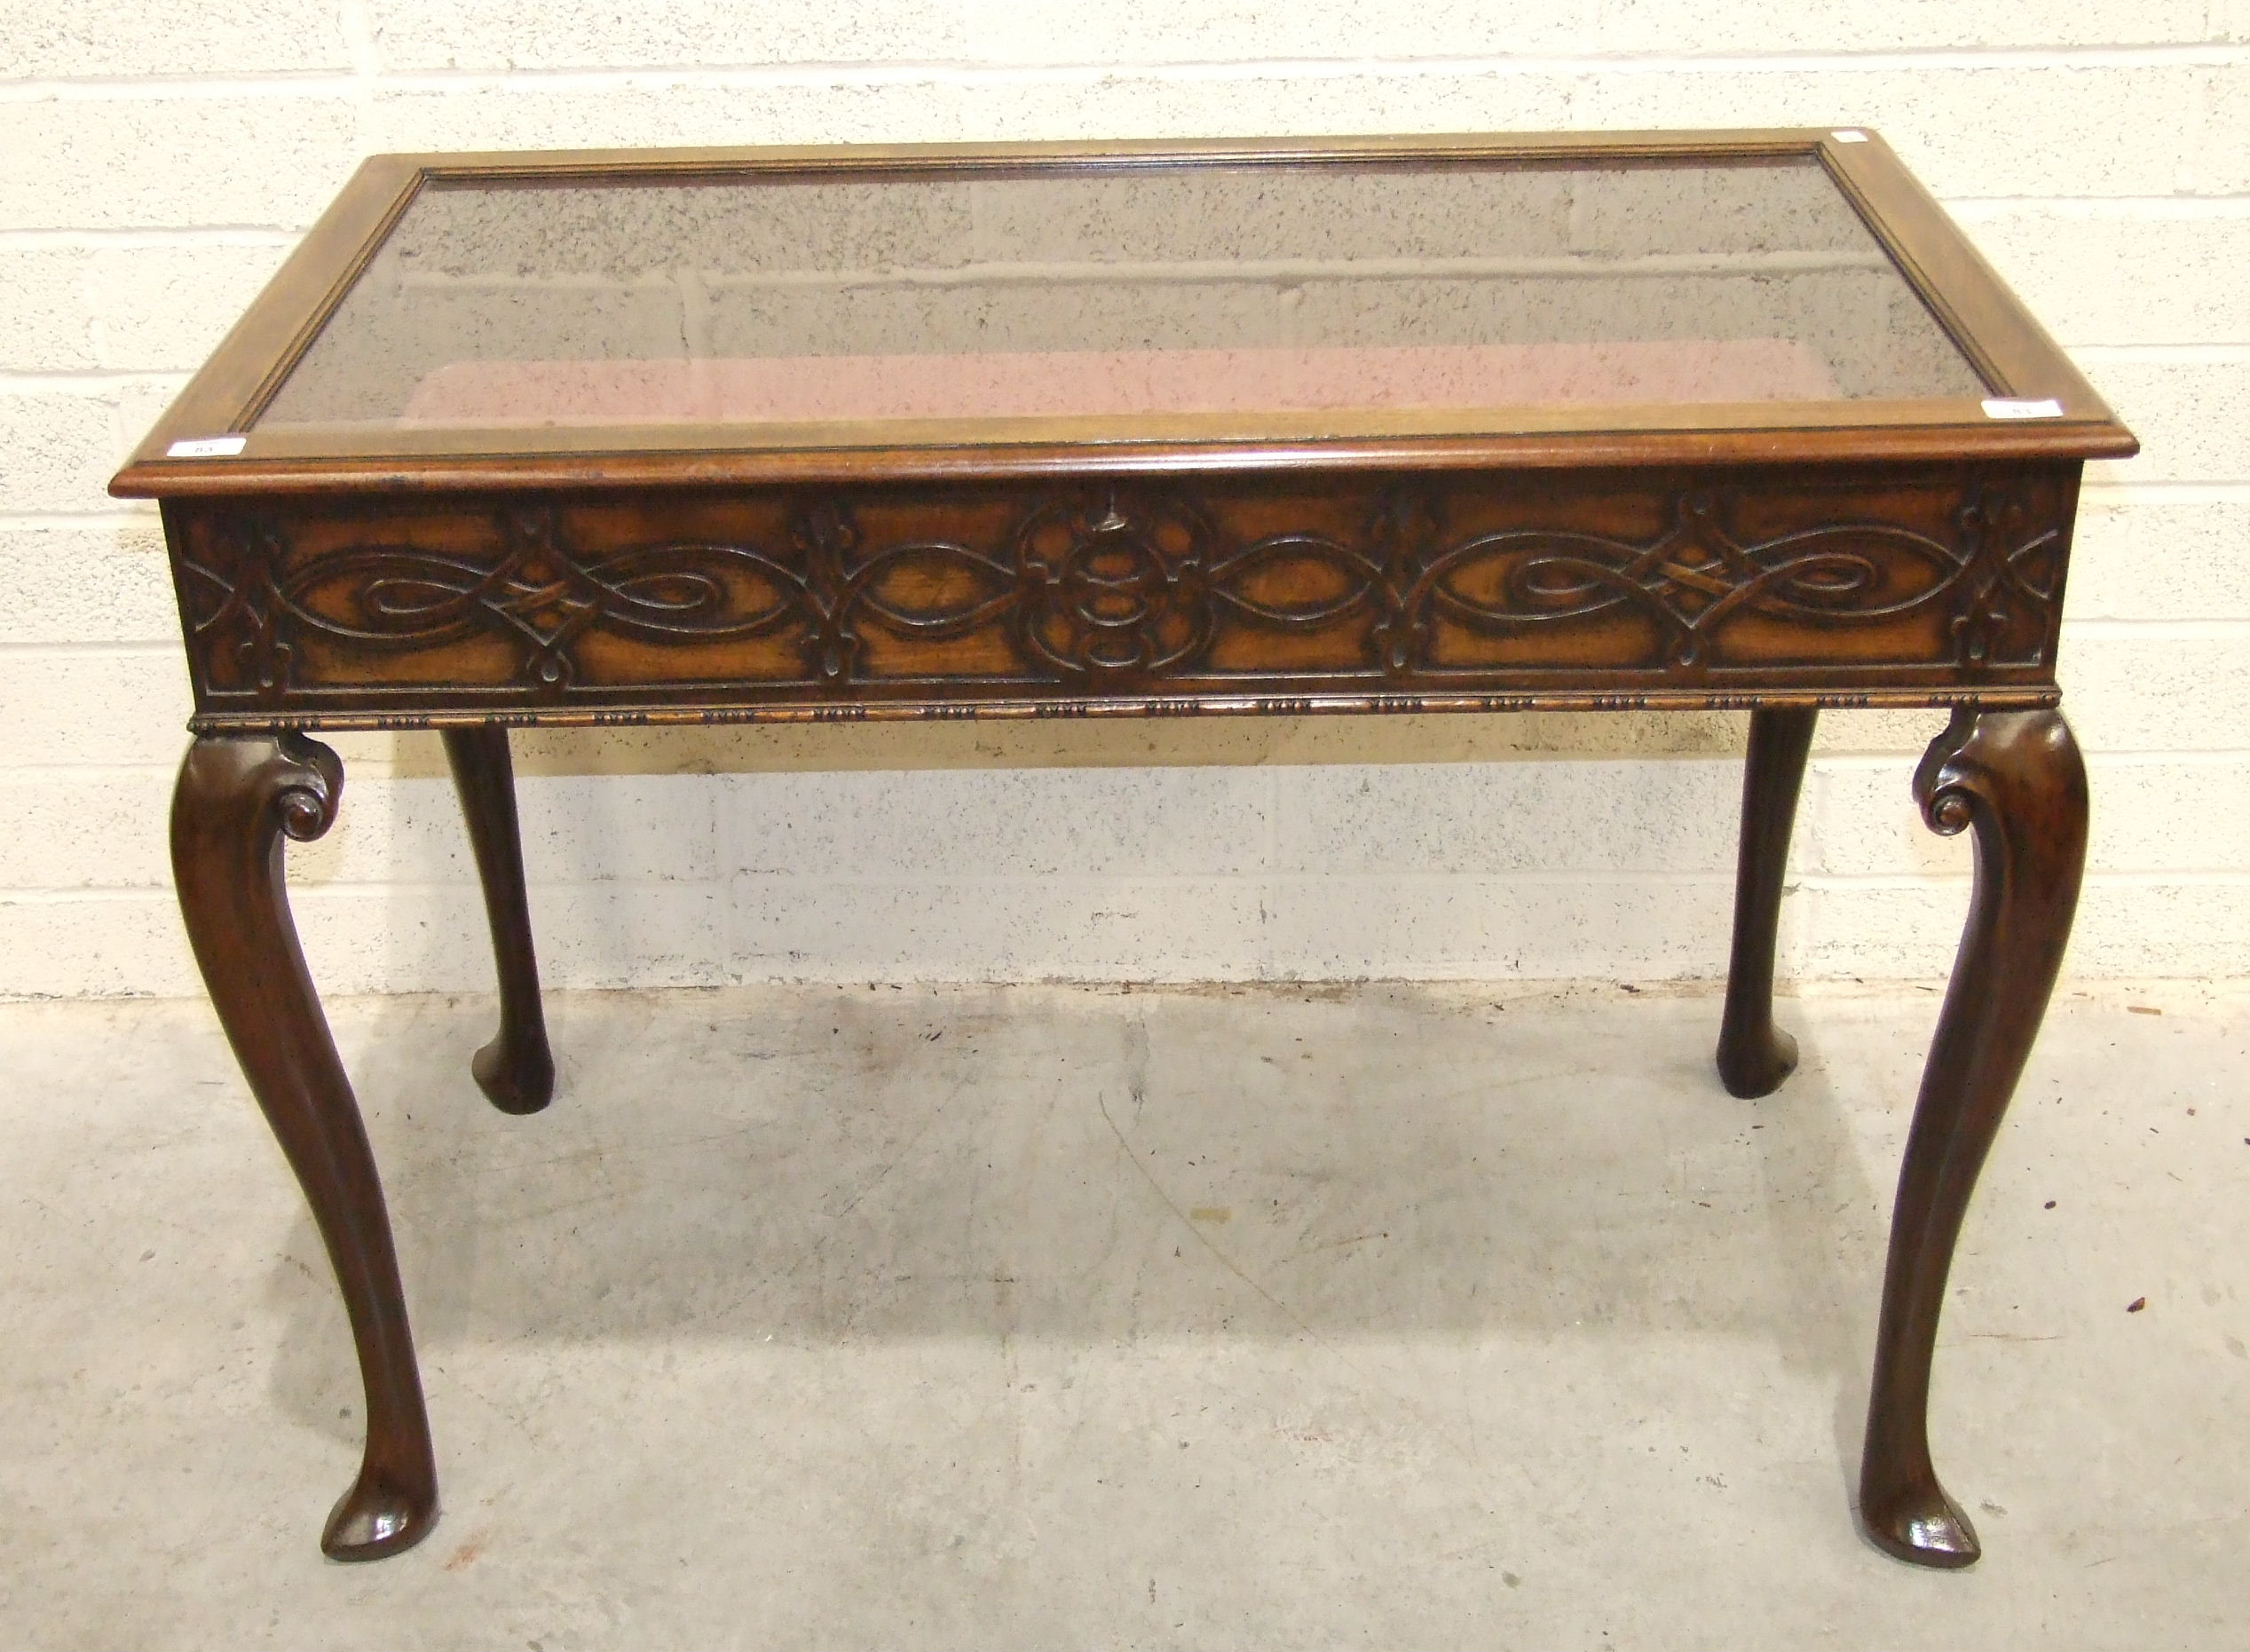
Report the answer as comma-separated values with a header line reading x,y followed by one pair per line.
x,y
1779,557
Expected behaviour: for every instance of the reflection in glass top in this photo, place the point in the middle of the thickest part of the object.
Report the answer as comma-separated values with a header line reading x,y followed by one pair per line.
x,y
1235,287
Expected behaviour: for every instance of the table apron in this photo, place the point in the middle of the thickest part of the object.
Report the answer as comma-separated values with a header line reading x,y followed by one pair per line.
x,y
1843,585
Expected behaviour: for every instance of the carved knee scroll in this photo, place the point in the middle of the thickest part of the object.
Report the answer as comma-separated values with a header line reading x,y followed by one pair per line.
x,y
2016,779
236,802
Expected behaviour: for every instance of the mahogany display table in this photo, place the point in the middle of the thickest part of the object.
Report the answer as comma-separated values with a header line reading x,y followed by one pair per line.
x,y
1568,421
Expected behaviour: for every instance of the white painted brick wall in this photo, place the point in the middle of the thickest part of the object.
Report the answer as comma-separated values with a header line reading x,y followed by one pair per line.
x,y
158,158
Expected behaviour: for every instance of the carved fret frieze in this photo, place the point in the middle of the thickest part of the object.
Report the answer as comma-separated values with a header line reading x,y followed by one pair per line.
x,y
1093,590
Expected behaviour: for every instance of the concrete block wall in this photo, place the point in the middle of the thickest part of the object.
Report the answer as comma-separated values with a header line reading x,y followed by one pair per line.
x,y
158,158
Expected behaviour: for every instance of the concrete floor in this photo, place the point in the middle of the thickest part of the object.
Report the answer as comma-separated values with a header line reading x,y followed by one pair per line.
x,y
1388,1316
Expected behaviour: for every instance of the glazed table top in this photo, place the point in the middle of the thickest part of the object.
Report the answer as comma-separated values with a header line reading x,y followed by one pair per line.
x,y
778,303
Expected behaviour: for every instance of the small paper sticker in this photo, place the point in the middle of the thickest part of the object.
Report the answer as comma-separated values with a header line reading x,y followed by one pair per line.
x,y
2001,407
1849,137
206,447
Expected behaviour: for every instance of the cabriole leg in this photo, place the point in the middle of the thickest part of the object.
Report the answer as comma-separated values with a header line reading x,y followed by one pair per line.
x,y
516,1070
236,800
2015,778
1754,1055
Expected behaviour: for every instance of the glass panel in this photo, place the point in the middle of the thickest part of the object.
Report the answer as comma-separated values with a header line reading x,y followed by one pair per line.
x,y
1225,288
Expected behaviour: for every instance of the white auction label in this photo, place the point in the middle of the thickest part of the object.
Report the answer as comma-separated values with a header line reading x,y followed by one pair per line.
x,y
2002,407
1849,138
206,447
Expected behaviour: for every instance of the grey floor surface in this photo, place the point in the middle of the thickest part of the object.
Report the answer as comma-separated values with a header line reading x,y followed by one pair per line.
x,y
1047,1317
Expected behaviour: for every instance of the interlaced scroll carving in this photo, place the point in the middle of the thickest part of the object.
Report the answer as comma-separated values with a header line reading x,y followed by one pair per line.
x,y
1697,575
400,595
2012,582
1095,589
